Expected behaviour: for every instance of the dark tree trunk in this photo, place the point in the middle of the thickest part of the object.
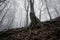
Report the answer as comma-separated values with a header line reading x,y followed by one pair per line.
x,y
34,20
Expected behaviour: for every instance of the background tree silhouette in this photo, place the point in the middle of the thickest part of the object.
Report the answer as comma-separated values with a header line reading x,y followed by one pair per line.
x,y
35,22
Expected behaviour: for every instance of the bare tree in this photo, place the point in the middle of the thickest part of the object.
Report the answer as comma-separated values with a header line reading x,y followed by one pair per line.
x,y
27,10
35,22
48,9
32,13
40,8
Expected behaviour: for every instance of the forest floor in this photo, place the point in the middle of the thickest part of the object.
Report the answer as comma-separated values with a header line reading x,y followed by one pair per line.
x,y
49,31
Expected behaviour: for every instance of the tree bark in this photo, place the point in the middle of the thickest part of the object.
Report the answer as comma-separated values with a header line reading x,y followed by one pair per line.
x,y
34,20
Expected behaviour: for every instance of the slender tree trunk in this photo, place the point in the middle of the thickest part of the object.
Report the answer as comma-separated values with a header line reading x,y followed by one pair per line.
x,y
48,10
27,10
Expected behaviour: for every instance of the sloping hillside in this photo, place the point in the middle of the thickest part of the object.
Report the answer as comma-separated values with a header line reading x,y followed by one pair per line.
x,y
48,31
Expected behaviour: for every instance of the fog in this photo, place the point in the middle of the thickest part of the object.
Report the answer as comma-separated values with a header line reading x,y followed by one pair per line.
x,y
14,14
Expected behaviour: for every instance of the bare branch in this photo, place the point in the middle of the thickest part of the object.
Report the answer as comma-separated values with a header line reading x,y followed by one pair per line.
x,y
4,14
4,6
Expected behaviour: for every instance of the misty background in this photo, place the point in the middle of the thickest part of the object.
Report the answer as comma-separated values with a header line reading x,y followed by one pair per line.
x,y
15,14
